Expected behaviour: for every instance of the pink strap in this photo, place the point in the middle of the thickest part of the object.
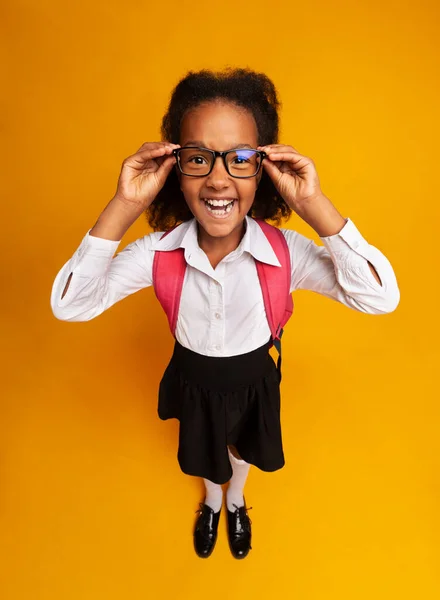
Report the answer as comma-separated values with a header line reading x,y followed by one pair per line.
x,y
275,285
169,272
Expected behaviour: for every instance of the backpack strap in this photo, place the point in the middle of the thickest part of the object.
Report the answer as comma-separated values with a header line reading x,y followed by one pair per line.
x,y
168,289
275,285
169,271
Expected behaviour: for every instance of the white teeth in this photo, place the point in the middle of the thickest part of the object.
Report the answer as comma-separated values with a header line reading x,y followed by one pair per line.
x,y
220,211
218,202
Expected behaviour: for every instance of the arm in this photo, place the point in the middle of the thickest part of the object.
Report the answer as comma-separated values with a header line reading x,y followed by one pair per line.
x,y
112,224
92,280
348,269
341,270
327,221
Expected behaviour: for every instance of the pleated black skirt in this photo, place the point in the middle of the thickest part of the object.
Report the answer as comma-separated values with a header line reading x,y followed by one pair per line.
x,y
219,402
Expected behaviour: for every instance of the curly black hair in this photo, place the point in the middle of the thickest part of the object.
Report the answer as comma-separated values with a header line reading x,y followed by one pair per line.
x,y
243,87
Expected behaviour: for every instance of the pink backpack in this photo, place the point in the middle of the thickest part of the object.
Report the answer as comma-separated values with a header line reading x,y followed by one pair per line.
x,y
169,270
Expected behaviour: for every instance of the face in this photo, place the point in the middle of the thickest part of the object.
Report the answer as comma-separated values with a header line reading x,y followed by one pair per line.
x,y
219,126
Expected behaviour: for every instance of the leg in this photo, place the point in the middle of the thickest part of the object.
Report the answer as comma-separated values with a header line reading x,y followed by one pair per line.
x,y
205,531
239,524
240,470
214,495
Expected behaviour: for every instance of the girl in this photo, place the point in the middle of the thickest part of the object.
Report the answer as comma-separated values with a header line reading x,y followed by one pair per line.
x,y
218,169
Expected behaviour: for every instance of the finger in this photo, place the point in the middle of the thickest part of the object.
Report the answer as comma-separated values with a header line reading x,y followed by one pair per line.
x,y
157,144
282,149
166,167
277,148
152,145
289,156
139,159
272,169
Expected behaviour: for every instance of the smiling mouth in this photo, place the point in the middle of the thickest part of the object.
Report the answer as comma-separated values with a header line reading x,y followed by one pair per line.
x,y
219,207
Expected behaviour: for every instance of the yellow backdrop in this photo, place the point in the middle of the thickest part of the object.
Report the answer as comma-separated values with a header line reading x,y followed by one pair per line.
x,y
93,504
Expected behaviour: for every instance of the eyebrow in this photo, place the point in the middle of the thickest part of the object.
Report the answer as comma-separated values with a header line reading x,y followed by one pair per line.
x,y
200,143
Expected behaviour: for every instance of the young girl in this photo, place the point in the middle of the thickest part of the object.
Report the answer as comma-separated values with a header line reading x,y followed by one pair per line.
x,y
219,168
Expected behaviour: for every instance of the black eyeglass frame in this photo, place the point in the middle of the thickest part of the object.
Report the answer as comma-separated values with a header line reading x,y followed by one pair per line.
x,y
222,155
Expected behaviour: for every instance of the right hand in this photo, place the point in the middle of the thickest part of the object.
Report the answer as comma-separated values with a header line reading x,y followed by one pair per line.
x,y
144,173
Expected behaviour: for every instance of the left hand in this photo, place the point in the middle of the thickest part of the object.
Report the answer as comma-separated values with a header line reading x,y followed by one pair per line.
x,y
294,175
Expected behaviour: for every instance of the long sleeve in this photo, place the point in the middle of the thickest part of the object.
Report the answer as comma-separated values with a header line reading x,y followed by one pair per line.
x,y
340,270
99,280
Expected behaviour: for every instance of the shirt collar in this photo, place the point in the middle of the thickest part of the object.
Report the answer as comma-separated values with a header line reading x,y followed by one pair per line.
x,y
182,236
254,241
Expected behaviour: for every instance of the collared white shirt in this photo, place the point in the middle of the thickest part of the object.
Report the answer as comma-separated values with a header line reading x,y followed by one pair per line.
x,y
222,310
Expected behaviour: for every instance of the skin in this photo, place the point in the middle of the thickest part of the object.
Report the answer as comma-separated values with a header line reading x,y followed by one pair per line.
x,y
219,125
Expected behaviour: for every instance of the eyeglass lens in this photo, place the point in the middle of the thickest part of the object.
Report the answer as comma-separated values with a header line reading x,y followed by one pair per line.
x,y
240,163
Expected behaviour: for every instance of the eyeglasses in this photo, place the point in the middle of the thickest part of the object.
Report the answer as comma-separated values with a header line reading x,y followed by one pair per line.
x,y
195,161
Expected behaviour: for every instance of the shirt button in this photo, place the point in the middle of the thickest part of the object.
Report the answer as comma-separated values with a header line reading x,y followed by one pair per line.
x,y
218,316
355,244
217,347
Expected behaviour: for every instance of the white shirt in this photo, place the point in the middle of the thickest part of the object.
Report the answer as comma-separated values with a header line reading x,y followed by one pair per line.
x,y
222,310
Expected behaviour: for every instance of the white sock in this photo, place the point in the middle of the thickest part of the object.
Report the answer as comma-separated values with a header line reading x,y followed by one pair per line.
x,y
234,495
214,495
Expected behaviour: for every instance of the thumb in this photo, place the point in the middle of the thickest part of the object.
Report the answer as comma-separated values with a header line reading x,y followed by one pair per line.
x,y
272,170
165,168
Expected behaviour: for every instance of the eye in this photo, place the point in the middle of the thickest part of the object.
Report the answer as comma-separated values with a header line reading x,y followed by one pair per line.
x,y
243,156
239,160
197,157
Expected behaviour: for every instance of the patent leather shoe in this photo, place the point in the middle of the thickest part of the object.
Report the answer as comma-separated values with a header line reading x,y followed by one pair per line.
x,y
205,531
239,531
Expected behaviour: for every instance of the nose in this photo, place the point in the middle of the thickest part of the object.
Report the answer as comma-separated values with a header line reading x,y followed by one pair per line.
x,y
219,178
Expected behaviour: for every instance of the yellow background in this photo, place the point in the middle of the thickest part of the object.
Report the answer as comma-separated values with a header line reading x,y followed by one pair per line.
x,y
93,504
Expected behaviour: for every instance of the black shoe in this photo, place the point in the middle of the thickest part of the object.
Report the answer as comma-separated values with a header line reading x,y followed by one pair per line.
x,y
205,532
239,531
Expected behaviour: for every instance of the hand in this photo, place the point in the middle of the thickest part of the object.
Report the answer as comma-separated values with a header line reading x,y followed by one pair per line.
x,y
144,173
294,175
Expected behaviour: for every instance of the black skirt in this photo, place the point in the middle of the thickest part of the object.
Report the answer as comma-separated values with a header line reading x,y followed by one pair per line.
x,y
223,401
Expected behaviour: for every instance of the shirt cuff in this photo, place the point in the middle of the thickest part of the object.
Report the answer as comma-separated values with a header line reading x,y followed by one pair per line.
x,y
348,237
93,255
